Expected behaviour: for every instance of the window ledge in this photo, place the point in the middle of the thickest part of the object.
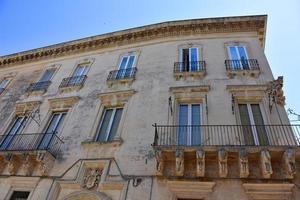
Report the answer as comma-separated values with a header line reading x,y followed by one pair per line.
x,y
36,92
125,81
69,89
185,75
251,73
91,143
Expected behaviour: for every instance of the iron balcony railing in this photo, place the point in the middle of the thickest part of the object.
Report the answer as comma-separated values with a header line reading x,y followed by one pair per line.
x,y
246,64
73,81
38,86
31,142
194,66
227,135
122,74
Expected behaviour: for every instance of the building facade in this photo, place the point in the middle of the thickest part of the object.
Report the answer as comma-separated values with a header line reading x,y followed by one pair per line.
x,y
177,110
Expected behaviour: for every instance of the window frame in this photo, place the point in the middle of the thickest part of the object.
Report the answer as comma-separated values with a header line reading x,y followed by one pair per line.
x,y
12,193
48,69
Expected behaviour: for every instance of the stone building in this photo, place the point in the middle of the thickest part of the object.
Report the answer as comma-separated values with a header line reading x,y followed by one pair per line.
x,y
176,110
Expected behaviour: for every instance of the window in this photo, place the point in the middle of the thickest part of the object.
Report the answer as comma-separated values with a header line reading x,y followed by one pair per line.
x,y
53,128
19,195
125,67
189,121
47,75
81,70
189,58
252,124
3,84
109,124
16,128
239,57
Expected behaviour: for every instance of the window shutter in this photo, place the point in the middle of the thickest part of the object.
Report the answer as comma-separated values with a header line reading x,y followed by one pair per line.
x,y
259,122
246,124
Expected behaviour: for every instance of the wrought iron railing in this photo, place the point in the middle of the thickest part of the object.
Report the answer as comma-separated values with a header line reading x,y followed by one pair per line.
x,y
246,64
194,66
122,74
227,135
38,86
73,81
31,142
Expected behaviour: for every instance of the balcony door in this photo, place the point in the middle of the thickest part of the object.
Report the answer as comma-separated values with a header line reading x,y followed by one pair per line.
x,y
239,57
189,121
47,76
53,128
189,58
125,67
15,129
81,70
252,122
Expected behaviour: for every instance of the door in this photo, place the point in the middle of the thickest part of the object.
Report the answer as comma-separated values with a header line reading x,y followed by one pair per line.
x,y
253,128
81,70
189,121
53,128
239,57
189,59
47,75
125,67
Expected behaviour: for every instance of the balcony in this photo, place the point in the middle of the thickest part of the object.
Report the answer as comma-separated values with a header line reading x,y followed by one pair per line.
x,y
38,87
72,83
196,69
234,151
249,67
20,153
125,76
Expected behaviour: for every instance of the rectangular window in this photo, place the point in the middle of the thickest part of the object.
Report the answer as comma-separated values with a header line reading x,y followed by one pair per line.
x,y
253,125
109,124
47,76
239,57
3,85
53,128
189,121
125,67
19,195
16,128
190,59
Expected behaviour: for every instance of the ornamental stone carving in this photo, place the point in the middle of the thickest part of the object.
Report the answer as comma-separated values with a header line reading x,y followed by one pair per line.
x,y
200,156
222,155
243,164
159,162
12,163
289,163
179,163
92,178
275,91
27,164
266,166
46,162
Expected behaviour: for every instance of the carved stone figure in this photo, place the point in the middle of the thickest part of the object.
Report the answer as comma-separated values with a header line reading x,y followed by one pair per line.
x,y
243,164
275,91
266,165
222,155
27,164
289,163
46,161
159,162
92,178
12,164
200,155
179,168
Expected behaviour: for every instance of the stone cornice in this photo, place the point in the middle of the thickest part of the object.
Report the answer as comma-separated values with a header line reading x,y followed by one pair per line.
x,y
144,33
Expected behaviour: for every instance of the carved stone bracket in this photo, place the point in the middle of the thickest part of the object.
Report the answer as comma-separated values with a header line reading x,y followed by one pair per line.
x,y
289,163
91,178
159,162
179,162
266,166
12,163
275,91
63,103
27,164
46,162
243,164
200,156
222,157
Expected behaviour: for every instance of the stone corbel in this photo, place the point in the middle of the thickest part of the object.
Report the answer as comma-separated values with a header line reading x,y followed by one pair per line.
x,y
179,162
223,170
12,163
243,164
159,162
46,162
266,166
200,155
24,108
27,164
289,163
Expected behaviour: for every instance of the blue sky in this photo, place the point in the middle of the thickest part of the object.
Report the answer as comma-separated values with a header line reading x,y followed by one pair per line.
x,y
30,24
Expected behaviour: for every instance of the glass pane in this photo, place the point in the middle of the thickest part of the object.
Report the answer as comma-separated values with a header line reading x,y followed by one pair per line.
x,y
185,60
122,67
183,122
123,62
102,133
194,59
243,57
79,71
235,57
115,124
196,121
246,124
130,62
259,122
4,83
47,75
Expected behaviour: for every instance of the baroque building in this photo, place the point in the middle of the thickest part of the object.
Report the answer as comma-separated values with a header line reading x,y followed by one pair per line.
x,y
176,110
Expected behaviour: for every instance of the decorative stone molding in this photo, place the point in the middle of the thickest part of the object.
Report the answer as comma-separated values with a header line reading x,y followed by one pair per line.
x,y
190,93
46,162
189,75
118,98
262,191
243,164
24,108
200,156
13,163
275,91
289,163
240,73
146,33
92,178
27,164
87,195
266,166
246,93
191,189
63,103
179,162
159,162
222,158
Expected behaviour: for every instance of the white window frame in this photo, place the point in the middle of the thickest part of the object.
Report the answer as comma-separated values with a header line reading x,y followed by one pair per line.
x,y
181,54
84,72
54,70
238,53
126,65
52,115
